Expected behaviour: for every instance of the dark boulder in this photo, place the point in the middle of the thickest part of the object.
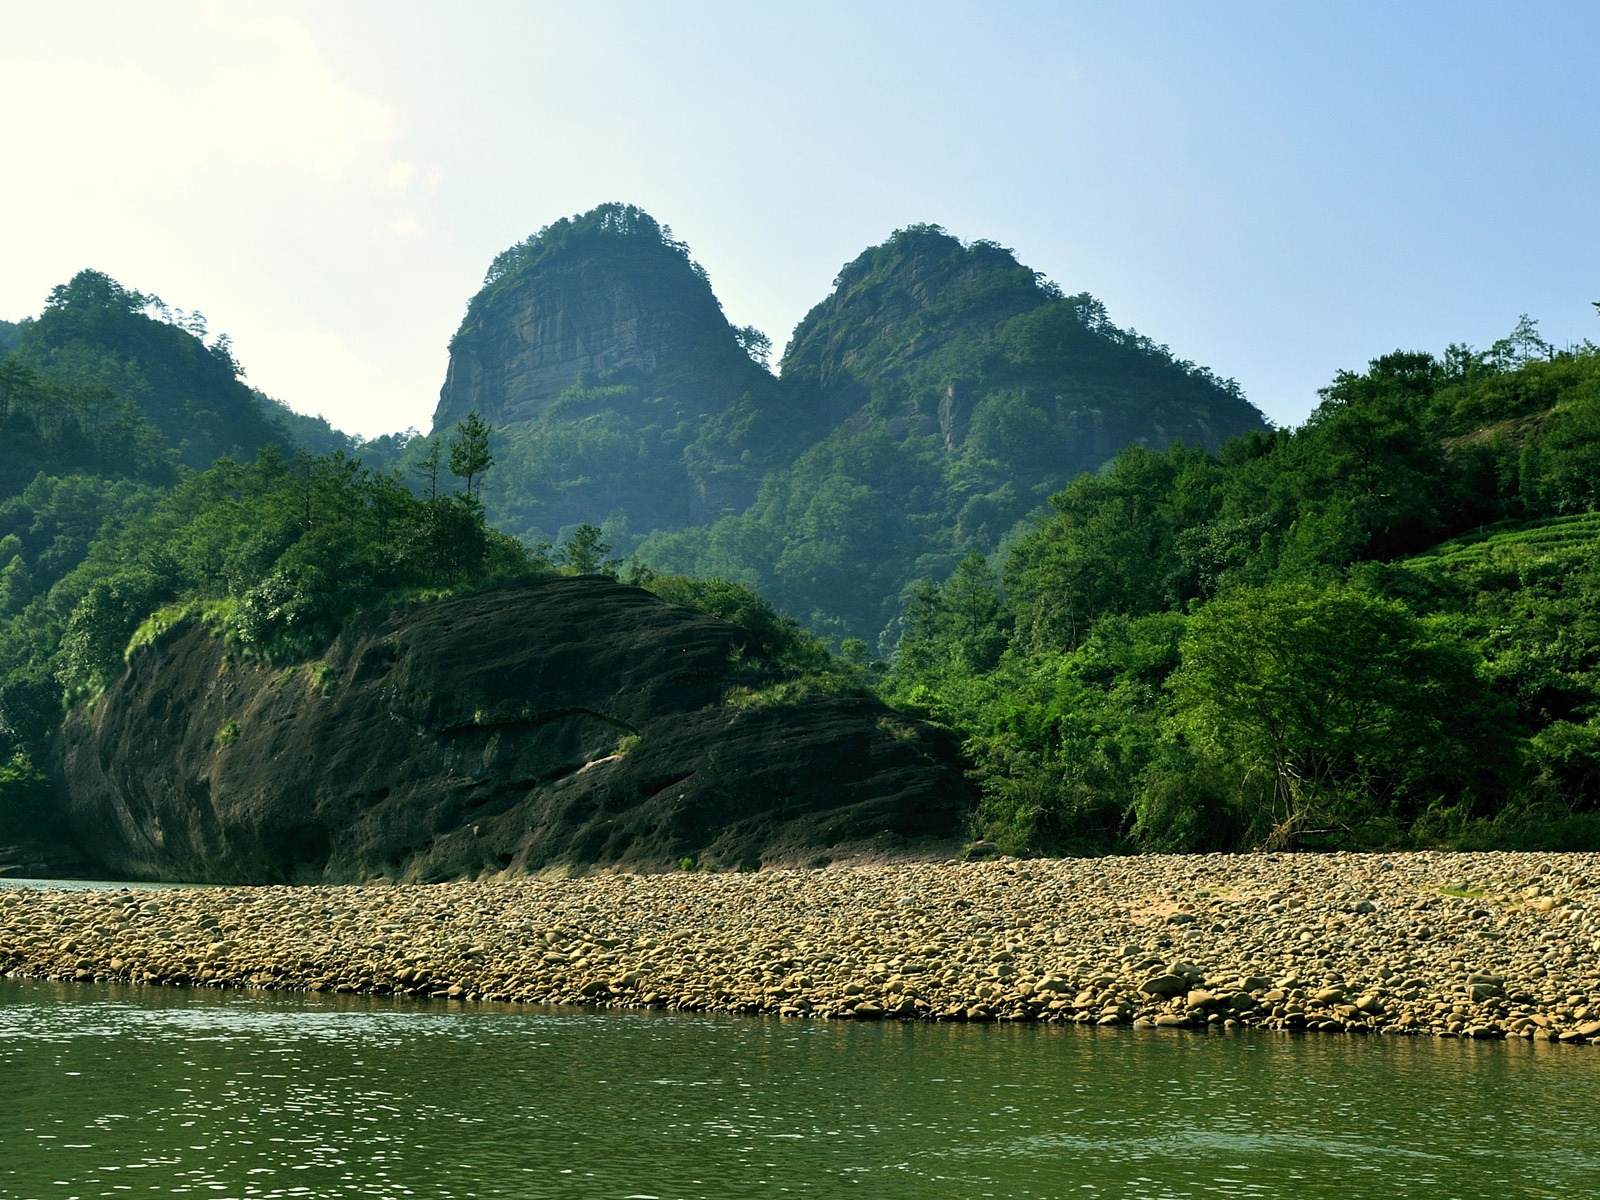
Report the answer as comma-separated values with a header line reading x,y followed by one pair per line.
x,y
569,723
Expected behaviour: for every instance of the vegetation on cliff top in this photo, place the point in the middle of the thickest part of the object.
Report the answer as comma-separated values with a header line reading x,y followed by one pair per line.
x,y
608,228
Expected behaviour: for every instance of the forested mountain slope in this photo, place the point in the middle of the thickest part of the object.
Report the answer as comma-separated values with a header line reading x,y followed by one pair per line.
x,y
935,399
103,346
109,397
138,470
1379,629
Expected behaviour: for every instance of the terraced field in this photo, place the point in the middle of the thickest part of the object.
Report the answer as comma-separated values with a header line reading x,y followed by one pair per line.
x,y
1515,545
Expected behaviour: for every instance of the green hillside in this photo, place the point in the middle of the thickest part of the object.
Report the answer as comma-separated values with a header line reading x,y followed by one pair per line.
x,y
106,346
108,398
113,410
1379,629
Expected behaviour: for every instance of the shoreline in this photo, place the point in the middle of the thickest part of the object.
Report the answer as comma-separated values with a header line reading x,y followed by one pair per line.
x,y
1484,945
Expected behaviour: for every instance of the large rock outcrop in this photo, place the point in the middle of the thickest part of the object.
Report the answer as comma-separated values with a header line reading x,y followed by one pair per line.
x,y
572,722
606,296
620,391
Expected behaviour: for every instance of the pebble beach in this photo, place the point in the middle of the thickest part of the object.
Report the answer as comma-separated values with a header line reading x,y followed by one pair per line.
x,y
1492,945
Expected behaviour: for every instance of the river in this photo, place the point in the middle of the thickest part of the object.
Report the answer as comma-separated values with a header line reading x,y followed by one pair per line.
x,y
112,1091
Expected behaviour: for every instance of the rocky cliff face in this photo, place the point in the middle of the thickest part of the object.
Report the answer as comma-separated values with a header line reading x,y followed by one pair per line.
x,y
568,723
609,295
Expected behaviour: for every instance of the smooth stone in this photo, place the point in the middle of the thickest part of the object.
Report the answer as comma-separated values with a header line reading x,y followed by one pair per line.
x,y
1165,986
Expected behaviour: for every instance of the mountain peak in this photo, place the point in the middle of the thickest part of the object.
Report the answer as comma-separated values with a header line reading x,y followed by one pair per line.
x,y
913,293
608,292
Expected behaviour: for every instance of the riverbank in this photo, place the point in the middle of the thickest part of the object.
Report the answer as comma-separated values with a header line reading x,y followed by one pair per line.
x,y
1472,945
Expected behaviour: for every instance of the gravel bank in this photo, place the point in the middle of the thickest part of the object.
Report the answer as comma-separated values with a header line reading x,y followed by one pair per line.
x,y
1470,945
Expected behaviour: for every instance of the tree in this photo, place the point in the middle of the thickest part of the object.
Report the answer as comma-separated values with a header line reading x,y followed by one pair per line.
x,y
30,706
1560,465
1334,708
754,343
428,467
25,799
1521,346
18,385
972,612
953,630
101,623
16,585
584,553
1367,465
1107,546
470,456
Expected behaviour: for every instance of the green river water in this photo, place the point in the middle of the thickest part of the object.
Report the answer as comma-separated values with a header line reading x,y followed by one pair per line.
x,y
117,1091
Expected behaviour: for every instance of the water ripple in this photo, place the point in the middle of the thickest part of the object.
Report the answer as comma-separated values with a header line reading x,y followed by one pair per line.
x,y
172,1092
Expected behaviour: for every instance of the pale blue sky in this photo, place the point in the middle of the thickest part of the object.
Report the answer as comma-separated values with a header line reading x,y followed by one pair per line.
x,y
1276,190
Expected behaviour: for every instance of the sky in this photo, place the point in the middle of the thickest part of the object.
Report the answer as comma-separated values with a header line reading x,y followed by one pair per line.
x,y
1276,191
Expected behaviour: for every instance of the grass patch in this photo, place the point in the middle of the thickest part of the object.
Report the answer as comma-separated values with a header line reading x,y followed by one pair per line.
x,y
215,615
321,675
786,693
